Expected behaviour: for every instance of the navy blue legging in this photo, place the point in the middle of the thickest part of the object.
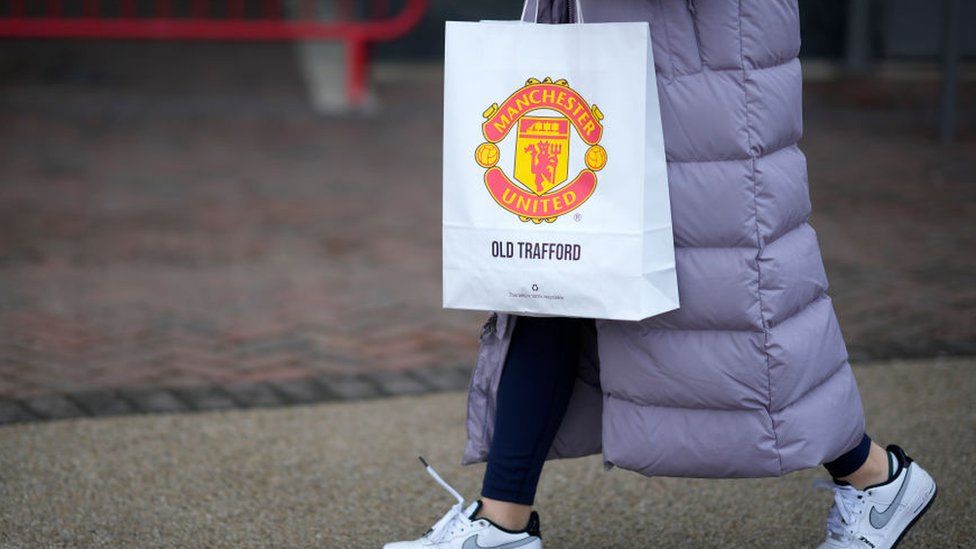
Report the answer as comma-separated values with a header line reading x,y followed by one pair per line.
x,y
537,381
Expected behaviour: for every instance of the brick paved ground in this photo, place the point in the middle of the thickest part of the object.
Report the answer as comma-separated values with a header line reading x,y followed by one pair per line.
x,y
173,216
895,213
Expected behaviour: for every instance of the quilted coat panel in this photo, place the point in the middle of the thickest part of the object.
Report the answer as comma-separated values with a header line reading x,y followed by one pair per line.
x,y
718,289
793,275
709,116
653,369
713,443
781,194
715,188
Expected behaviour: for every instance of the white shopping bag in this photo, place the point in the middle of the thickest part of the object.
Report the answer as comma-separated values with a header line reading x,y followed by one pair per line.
x,y
555,199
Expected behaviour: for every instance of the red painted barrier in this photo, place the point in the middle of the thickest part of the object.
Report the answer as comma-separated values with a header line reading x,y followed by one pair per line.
x,y
214,20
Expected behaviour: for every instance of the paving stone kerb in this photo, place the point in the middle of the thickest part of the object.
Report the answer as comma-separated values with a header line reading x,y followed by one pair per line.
x,y
217,241
325,388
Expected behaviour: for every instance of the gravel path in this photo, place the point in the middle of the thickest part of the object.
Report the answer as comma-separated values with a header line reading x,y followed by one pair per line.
x,y
346,475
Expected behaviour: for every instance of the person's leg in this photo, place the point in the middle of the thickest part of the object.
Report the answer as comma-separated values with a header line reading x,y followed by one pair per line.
x,y
533,392
864,465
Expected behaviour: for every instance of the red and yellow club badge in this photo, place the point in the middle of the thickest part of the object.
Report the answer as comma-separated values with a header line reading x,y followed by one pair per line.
x,y
540,192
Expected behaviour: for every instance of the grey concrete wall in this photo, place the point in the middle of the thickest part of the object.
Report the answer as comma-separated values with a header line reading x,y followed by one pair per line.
x,y
910,28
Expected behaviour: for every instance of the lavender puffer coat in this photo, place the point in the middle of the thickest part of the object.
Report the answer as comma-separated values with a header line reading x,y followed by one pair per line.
x,y
750,376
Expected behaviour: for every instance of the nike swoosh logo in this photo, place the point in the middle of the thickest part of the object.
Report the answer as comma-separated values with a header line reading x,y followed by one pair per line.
x,y
472,543
880,520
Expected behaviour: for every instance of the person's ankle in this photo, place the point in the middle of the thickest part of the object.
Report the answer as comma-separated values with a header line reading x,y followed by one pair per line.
x,y
510,516
875,470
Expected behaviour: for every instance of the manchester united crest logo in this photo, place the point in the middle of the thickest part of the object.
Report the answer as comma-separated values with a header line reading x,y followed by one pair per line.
x,y
544,116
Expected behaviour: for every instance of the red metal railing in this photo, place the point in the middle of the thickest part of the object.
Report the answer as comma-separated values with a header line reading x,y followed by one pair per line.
x,y
215,20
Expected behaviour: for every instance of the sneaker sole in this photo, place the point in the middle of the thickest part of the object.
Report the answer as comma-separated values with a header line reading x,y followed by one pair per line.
x,y
935,493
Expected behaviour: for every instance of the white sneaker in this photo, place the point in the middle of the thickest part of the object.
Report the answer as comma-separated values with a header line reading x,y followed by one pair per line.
x,y
879,516
458,529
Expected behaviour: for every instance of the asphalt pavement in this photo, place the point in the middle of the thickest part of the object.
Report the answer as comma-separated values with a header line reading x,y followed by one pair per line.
x,y
347,475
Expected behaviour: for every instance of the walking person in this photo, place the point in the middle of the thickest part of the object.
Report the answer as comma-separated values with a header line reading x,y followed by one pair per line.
x,y
750,377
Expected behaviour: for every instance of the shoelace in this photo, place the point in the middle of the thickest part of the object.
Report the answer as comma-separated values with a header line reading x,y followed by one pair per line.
x,y
848,505
454,519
